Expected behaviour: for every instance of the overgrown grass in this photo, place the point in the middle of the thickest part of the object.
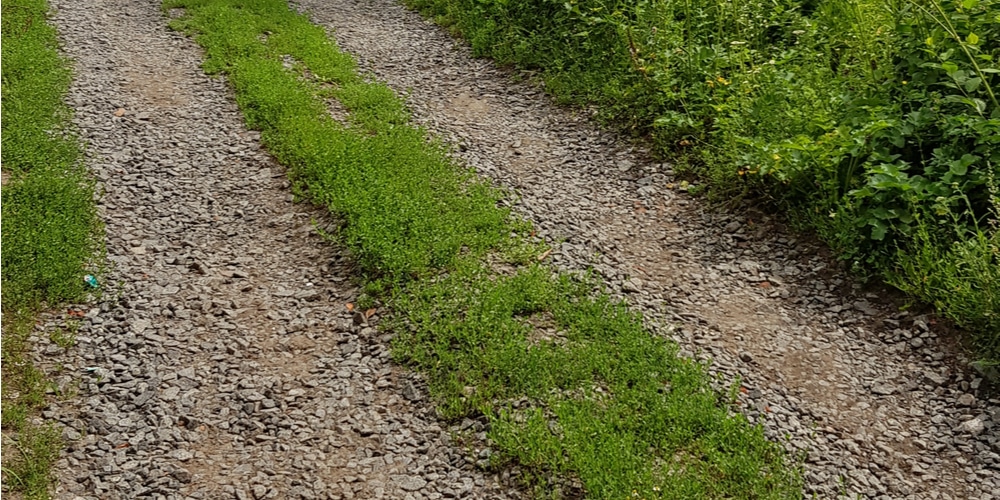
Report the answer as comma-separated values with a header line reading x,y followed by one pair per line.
x,y
50,229
597,398
873,122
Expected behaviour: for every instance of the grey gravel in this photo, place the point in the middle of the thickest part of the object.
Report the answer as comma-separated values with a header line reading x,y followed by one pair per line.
x,y
873,398
972,426
220,360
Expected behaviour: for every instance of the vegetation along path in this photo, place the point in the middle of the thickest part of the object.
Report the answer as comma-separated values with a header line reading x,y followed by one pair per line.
x,y
223,361
873,396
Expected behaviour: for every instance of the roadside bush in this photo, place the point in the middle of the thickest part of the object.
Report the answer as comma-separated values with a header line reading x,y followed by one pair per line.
x,y
873,122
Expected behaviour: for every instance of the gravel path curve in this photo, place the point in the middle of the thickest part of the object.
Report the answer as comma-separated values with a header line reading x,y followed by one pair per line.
x,y
221,361
880,401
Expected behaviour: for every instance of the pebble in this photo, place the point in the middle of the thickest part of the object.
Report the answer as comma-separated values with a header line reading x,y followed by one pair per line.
x,y
973,426
966,400
410,483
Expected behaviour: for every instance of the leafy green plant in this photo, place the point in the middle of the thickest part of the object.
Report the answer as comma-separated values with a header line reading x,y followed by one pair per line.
x,y
50,225
63,338
29,473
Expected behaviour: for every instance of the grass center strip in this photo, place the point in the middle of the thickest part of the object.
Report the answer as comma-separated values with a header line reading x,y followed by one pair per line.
x,y
575,391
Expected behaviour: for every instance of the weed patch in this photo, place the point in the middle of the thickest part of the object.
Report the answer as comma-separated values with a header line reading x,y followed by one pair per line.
x,y
602,400
38,448
50,230
50,224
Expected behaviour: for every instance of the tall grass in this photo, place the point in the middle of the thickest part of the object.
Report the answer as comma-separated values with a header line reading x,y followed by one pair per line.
x,y
873,122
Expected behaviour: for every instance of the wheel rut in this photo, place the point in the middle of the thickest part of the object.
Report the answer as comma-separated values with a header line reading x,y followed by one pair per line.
x,y
880,402
221,360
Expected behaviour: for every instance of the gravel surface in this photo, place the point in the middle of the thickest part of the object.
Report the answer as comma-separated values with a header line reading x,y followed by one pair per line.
x,y
881,403
221,361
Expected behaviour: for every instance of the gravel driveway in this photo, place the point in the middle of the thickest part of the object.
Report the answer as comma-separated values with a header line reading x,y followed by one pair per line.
x,y
222,361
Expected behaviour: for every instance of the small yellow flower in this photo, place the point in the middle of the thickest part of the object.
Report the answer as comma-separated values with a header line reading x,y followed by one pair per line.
x,y
722,80
904,82
776,157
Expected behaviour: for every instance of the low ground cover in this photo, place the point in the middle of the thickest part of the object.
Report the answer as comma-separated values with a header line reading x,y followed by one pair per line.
x,y
874,123
575,389
50,229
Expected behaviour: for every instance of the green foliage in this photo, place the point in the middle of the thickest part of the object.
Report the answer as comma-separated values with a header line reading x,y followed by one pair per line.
x,y
50,230
963,279
29,473
597,396
30,449
50,224
63,338
612,404
859,117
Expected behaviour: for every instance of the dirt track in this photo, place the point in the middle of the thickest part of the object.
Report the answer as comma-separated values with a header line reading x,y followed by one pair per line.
x,y
223,362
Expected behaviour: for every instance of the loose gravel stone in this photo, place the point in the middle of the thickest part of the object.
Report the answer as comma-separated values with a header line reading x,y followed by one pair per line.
x,y
410,483
212,365
973,426
869,395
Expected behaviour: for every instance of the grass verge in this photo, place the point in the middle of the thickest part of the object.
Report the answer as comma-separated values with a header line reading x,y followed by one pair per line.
x,y
572,385
50,230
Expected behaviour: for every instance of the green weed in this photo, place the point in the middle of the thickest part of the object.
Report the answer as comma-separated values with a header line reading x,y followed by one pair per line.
x,y
406,209
29,448
50,225
63,338
599,398
570,382
50,230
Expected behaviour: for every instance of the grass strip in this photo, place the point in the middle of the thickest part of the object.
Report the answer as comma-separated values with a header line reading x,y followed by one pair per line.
x,y
50,229
572,385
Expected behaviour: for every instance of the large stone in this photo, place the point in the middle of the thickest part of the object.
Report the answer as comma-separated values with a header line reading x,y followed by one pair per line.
x,y
409,483
973,426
